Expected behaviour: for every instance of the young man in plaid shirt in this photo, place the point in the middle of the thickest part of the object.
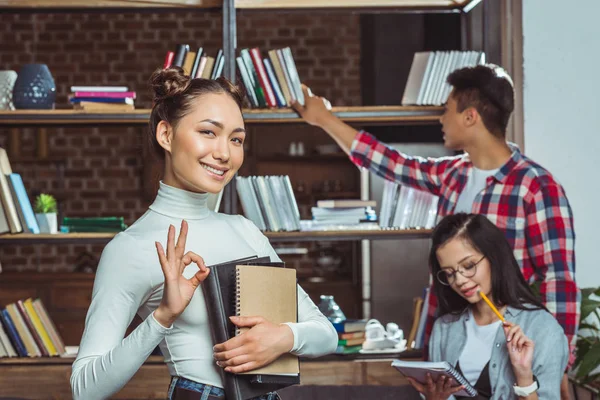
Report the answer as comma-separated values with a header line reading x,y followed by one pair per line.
x,y
492,177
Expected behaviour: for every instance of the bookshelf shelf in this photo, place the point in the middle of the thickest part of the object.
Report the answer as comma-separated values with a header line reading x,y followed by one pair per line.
x,y
400,5
35,5
372,114
274,237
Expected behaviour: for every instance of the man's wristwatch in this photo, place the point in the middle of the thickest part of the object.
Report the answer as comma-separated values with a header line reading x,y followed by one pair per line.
x,y
527,390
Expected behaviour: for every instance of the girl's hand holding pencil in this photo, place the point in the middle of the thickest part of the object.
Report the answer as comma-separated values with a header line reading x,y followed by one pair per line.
x,y
520,351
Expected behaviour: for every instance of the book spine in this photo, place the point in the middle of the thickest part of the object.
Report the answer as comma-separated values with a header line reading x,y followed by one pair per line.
x,y
11,330
262,76
24,203
110,95
168,59
180,54
245,54
196,63
34,333
10,209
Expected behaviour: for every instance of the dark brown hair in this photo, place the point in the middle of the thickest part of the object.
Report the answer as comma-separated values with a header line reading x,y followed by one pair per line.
x,y
509,287
489,90
173,96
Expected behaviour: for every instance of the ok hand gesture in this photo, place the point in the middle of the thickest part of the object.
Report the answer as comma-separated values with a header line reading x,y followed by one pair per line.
x,y
178,290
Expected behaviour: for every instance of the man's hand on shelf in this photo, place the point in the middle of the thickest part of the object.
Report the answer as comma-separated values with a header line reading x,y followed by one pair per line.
x,y
316,110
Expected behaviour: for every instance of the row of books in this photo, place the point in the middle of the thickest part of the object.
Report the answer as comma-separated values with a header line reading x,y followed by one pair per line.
x,y
16,212
426,84
26,330
271,82
416,335
348,215
404,207
102,98
269,202
197,63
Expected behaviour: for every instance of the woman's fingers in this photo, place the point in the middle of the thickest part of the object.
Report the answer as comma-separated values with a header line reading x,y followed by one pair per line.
x,y
199,277
180,247
171,244
456,389
161,256
191,257
512,331
417,385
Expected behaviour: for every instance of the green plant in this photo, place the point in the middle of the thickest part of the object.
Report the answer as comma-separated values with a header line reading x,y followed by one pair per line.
x,y
588,344
45,204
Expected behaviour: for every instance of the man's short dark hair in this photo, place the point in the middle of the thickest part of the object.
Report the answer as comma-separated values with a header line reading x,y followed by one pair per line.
x,y
489,90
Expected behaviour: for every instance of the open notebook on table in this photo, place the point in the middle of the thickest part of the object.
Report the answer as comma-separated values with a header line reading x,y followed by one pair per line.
x,y
419,369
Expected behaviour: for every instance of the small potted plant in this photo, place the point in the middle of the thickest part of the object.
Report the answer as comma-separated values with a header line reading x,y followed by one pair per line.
x,y
45,213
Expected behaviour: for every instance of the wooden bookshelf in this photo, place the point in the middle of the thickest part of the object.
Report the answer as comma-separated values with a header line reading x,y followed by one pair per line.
x,y
417,5
104,4
373,114
274,237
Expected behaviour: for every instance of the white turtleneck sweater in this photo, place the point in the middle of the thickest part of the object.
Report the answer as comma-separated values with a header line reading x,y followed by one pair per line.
x,y
129,280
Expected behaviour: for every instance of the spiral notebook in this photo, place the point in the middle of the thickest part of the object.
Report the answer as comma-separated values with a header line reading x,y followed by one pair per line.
x,y
220,294
419,369
270,292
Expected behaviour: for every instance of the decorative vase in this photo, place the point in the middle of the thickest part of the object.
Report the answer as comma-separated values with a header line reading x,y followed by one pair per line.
x,y
47,222
34,88
330,309
7,83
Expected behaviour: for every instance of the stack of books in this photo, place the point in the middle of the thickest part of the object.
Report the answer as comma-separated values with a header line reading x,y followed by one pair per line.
x,y
269,202
351,335
102,98
197,63
16,212
26,330
403,207
426,84
93,224
343,212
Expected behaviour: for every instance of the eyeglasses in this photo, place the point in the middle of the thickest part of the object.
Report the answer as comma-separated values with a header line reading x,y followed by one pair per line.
x,y
447,276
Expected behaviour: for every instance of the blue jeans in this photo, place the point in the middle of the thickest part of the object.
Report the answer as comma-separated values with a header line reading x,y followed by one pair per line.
x,y
208,390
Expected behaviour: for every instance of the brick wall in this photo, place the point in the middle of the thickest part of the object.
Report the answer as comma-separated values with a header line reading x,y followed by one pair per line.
x,y
102,166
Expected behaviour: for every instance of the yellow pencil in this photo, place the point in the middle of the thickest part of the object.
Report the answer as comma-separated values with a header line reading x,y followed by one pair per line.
x,y
489,303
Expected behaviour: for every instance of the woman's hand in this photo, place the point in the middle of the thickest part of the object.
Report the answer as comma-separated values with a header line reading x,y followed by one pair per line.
x,y
262,344
316,109
440,390
520,351
178,290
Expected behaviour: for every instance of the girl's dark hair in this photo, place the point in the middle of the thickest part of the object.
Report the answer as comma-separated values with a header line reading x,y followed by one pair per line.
x,y
509,287
173,96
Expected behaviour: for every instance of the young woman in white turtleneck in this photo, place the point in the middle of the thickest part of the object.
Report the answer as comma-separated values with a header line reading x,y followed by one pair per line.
x,y
197,125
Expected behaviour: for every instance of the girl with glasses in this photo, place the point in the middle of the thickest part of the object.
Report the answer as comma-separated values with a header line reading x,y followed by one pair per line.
x,y
524,357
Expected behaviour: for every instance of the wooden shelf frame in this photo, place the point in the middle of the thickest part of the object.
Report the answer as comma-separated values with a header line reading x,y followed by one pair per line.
x,y
368,114
420,6
274,237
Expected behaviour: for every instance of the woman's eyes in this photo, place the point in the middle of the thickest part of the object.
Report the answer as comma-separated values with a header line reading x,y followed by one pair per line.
x,y
469,267
238,140
207,132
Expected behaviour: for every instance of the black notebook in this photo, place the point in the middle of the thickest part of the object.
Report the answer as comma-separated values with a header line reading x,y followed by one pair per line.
x,y
219,290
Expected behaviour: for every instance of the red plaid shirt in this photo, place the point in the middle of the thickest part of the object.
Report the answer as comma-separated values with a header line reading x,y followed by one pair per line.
x,y
522,199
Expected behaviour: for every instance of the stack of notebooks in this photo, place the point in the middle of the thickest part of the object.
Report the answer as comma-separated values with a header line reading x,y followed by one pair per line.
x,y
102,98
426,84
269,202
16,213
351,335
196,63
343,212
403,207
26,330
93,224
249,287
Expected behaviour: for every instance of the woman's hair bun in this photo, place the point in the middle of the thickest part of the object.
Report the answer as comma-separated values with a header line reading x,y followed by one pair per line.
x,y
169,82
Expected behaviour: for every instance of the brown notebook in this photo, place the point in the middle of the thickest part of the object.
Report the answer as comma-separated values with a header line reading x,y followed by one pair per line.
x,y
269,292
